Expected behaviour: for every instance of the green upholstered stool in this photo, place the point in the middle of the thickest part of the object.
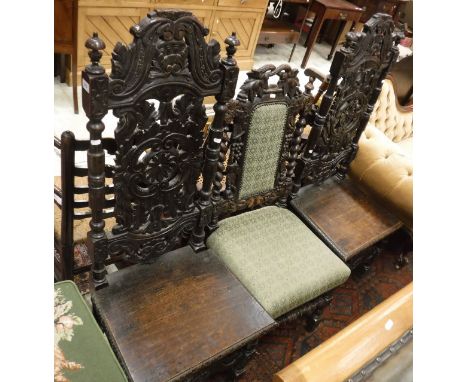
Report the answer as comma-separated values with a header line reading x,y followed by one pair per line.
x,y
277,258
82,352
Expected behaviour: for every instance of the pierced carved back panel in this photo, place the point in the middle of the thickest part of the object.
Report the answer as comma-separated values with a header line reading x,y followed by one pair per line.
x,y
356,75
259,133
156,89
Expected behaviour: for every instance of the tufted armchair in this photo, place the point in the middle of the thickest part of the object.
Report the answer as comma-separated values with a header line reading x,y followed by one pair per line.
x,y
383,164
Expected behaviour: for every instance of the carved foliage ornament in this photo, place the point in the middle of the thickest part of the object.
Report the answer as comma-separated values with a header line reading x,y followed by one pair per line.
x,y
156,90
356,72
168,46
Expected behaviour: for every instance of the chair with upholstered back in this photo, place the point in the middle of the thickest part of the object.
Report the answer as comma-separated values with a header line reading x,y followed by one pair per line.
x,y
283,265
71,206
329,197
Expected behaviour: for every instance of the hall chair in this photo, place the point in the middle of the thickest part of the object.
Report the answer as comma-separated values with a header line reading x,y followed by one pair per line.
x,y
286,267
72,212
334,207
176,313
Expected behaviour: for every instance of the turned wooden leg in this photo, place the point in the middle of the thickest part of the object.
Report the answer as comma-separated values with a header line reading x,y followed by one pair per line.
x,y
362,264
313,318
401,261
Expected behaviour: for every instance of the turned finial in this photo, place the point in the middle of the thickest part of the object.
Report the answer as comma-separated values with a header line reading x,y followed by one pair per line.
x,y
95,46
232,41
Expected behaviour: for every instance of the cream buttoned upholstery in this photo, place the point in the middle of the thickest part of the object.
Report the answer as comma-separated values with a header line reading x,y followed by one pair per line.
x,y
383,163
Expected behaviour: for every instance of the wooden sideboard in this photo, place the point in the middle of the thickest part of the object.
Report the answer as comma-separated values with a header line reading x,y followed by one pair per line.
x,y
112,19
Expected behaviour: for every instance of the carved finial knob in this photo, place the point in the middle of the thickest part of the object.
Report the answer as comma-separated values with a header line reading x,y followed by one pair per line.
x,y
95,45
232,41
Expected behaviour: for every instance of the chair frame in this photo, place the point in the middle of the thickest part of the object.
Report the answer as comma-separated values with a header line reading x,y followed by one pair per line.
x,y
351,91
255,91
356,75
71,209
156,65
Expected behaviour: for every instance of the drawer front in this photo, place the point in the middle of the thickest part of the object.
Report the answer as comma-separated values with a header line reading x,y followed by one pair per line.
x,y
245,24
179,4
243,3
336,14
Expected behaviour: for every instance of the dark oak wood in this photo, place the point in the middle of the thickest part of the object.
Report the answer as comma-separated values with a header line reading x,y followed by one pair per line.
x,y
65,40
169,319
344,217
354,84
341,214
156,89
72,206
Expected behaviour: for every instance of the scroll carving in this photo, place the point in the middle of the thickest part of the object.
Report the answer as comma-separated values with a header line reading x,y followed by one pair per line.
x,y
355,77
156,90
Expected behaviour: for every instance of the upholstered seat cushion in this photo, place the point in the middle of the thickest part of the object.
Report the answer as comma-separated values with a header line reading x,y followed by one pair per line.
x,y
82,352
277,258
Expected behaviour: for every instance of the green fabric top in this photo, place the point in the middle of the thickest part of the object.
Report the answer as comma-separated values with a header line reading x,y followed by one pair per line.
x,y
82,352
263,149
277,258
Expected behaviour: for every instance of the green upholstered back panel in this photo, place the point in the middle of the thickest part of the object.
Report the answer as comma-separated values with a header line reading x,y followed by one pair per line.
x,y
263,149
82,352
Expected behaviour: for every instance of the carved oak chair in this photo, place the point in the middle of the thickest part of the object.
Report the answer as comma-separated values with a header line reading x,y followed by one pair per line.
x,y
334,207
279,260
71,206
174,314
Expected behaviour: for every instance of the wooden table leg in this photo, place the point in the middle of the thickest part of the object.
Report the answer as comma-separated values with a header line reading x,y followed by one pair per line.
x,y
74,83
62,68
318,21
345,27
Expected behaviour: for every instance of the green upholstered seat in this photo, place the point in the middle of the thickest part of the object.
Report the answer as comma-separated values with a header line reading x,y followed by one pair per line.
x,y
277,258
82,352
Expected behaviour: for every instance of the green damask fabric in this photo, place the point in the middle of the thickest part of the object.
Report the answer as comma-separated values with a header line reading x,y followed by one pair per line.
x,y
277,258
82,352
263,149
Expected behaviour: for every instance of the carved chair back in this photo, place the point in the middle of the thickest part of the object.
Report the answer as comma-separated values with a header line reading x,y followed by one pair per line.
x,y
72,198
156,90
354,84
262,137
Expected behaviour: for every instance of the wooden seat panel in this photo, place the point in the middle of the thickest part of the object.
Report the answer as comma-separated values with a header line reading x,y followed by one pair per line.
x,y
157,315
344,216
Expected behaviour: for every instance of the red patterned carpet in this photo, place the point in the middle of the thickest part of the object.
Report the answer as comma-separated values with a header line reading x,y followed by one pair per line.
x,y
350,301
